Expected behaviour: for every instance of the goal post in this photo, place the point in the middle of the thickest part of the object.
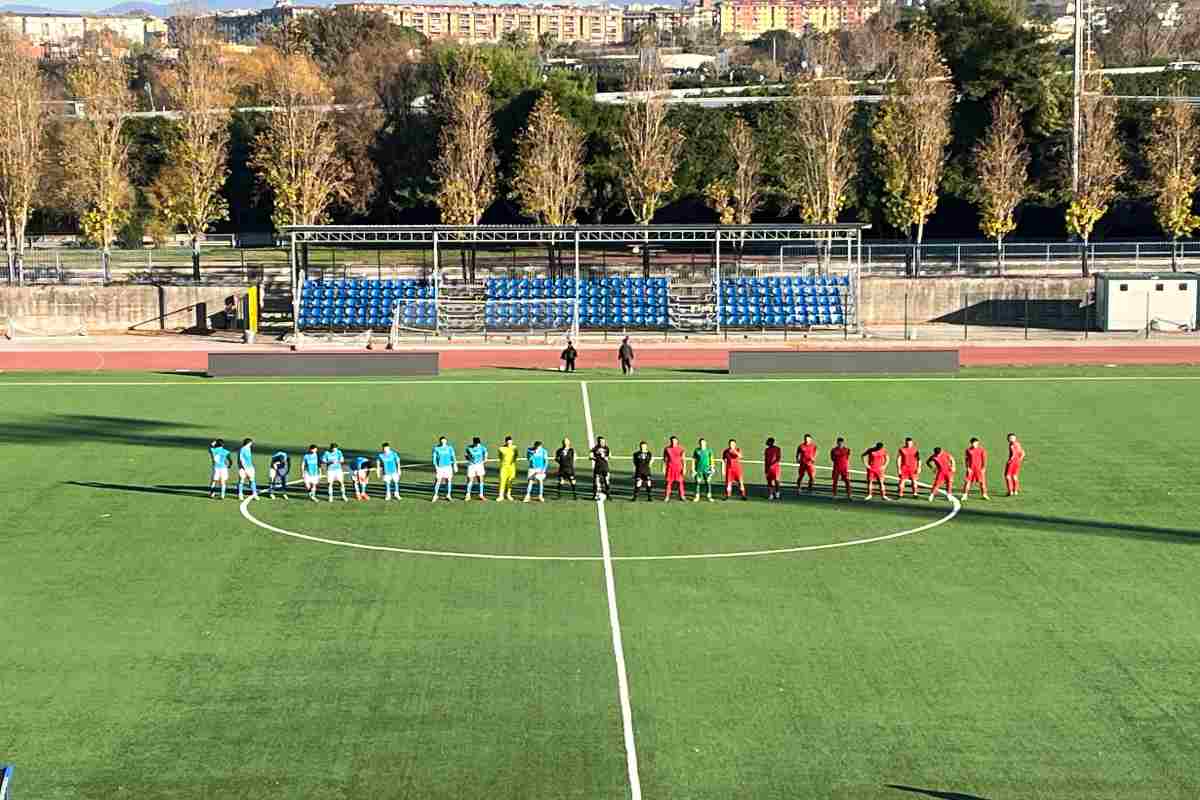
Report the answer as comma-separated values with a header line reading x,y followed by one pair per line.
x,y
36,326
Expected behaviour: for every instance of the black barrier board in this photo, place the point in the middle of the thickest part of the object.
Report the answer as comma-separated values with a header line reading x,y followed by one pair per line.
x,y
312,365
857,362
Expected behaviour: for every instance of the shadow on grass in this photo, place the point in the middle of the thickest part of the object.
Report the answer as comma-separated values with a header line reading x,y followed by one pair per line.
x,y
935,793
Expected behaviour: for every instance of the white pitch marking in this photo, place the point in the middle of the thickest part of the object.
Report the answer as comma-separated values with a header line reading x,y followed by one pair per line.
x,y
955,508
455,382
631,760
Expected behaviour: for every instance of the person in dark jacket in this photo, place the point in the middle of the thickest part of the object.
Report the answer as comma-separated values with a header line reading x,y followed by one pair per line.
x,y
625,356
568,356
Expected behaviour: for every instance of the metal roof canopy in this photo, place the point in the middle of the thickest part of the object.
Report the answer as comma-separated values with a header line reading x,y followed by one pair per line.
x,y
516,234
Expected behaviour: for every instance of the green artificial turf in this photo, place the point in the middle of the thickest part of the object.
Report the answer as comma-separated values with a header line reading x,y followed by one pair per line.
x,y
159,645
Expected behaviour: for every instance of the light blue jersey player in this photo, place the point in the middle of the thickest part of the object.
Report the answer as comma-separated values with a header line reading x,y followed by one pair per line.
x,y
310,468
445,464
387,466
477,454
246,468
334,463
539,462
362,475
218,460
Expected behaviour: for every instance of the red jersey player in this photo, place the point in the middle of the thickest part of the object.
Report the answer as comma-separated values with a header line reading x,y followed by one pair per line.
x,y
976,460
1012,467
673,467
806,459
942,463
908,461
731,459
772,466
840,456
876,460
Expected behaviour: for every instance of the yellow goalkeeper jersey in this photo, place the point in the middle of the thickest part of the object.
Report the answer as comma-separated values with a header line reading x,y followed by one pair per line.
x,y
508,456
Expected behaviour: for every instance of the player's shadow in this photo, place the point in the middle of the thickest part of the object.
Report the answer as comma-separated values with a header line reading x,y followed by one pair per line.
x,y
935,793
182,490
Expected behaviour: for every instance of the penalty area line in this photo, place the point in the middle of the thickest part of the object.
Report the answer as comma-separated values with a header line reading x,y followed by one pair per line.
x,y
614,621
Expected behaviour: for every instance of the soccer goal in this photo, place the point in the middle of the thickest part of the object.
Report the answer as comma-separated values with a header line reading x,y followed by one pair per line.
x,y
6,773
33,326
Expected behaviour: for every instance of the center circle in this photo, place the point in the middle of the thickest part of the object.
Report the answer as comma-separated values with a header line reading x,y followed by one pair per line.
x,y
955,507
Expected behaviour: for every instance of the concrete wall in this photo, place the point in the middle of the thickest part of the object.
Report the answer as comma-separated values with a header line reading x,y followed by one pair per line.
x,y
116,308
986,300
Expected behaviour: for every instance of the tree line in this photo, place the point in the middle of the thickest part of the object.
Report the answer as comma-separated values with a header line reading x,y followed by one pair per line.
x,y
370,123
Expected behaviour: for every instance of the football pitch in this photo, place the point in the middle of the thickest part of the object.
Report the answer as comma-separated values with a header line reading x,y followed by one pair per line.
x,y
159,644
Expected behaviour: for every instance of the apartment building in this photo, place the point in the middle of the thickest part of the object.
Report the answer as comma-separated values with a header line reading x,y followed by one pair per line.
x,y
594,25
748,19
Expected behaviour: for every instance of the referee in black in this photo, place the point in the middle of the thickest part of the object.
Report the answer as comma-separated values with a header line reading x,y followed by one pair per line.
x,y
600,453
565,457
625,356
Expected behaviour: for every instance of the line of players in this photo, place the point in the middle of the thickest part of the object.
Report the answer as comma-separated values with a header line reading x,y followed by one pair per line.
x,y
331,465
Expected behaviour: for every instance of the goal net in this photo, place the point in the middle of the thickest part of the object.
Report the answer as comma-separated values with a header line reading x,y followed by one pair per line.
x,y
28,326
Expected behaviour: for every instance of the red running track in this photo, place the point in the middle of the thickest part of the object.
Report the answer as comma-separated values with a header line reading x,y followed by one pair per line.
x,y
673,357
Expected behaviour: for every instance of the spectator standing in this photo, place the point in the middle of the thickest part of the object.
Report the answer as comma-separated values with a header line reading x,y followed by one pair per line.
x,y
568,357
625,356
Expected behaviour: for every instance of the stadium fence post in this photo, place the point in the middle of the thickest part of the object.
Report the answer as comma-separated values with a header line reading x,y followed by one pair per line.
x,y
966,312
294,275
437,277
1027,315
1147,315
717,264
906,316
575,322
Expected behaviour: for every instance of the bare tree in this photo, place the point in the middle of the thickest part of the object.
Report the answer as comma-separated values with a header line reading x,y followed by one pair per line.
x,y
95,152
466,162
22,145
188,190
869,48
911,134
1140,31
1172,158
296,156
1100,167
647,146
1002,171
736,196
550,183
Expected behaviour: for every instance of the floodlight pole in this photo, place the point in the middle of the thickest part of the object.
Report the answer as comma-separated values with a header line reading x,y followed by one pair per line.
x,y
1076,93
717,243
575,323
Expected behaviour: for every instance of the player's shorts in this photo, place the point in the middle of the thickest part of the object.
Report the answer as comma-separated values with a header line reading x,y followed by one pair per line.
x,y
733,474
772,472
675,473
566,475
311,480
220,473
508,473
642,478
246,472
874,474
391,477
536,474
363,475
334,474
808,468
942,478
974,476
704,475
1012,469
908,473
476,470
844,474
444,473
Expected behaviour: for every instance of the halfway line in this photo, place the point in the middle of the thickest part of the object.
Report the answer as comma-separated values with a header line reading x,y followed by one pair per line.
x,y
631,759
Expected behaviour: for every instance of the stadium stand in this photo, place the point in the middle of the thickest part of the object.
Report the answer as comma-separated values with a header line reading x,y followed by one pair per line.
x,y
549,303
796,301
